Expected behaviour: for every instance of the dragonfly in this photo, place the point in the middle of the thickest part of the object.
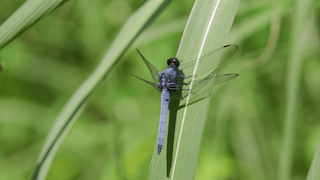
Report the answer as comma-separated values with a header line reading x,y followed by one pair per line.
x,y
176,77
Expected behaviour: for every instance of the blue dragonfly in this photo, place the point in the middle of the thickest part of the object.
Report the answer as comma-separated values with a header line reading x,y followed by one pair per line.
x,y
177,77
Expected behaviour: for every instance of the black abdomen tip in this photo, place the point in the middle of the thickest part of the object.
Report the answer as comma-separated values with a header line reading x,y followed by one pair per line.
x,y
159,148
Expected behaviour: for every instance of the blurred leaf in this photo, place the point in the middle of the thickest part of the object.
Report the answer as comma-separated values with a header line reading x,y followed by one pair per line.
x,y
295,63
130,31
29,13
250,26
260,20
314,173
156,33
207,29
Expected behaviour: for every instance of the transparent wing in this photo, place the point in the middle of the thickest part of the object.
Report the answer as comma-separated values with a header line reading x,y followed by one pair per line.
x,y
203,89
212,80
204,86
217,57
153,70
155,85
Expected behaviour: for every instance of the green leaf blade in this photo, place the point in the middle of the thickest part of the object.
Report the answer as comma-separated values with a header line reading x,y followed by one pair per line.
x,y
206,30
314,172
28,14
131,30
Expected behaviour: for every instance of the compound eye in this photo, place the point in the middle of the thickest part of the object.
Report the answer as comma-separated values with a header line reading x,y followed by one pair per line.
x,y
170,61
176,62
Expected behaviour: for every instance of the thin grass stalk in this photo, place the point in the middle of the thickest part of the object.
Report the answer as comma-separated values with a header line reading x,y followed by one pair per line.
x,y
130,31
314,173
29,13
301,14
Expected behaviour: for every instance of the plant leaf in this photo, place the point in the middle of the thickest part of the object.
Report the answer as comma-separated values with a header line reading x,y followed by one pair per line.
x,y
295,64
314,173
206,30
28,14
130,31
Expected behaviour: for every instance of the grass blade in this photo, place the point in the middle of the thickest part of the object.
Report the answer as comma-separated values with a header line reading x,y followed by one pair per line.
x,y
207,29
28,14
130,31
314,172
302,11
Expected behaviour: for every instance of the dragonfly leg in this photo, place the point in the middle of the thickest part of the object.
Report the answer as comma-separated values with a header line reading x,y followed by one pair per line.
x,y
179,89
187,77
174,86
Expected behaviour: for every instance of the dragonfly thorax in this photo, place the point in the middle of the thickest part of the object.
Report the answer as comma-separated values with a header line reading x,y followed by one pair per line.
x,y
168,79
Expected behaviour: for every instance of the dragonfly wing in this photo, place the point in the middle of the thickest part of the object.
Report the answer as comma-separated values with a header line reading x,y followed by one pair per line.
x,y
216,57
155,85
224,77
153,70
204,86
194,100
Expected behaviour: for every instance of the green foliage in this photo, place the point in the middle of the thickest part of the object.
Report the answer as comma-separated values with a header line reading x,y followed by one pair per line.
x,y
200,37
315,166
302,14
115,134
29,13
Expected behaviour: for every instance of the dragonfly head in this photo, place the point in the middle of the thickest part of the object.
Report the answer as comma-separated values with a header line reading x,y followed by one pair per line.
x,y
173,61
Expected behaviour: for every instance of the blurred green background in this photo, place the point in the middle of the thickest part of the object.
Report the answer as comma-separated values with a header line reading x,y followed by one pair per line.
x,y
115,135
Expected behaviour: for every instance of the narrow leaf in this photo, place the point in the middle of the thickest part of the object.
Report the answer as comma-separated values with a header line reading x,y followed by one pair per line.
x,y
130,31
295,61
29,13
206,30
314,173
